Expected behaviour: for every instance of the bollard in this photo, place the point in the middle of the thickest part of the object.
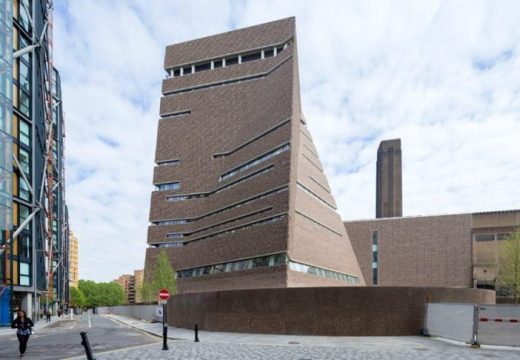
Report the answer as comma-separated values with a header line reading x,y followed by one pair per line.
x,y
86,345
196,333
165,329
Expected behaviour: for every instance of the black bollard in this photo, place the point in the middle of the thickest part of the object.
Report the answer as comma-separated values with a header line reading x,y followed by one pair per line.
x,y
86,345
196,333
165,329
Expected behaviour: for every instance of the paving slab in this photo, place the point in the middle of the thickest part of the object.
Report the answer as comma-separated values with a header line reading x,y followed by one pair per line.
x,y
222,345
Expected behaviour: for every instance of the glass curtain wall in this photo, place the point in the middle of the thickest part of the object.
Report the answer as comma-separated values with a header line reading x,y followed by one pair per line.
x,y
22,140
6,143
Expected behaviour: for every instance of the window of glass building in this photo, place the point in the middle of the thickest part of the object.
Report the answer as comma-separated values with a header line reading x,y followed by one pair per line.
x,y
25,104
24,213
24,190
20,13
24,274
24,161
24,243
25,133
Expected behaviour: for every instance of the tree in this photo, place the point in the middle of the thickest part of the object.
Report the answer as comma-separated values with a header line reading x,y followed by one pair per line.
x,y
163,277
509,268
77,298
111,294
101,294
89,289
146,292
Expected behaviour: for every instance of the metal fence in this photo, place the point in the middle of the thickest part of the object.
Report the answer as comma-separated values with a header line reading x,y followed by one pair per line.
x,y
499,325
474,324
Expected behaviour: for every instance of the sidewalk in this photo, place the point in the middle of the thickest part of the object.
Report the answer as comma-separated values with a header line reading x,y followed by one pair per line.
x,y
252,339
38,325
220,345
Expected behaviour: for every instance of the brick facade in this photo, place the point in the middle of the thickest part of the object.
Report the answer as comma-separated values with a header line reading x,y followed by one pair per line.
x,y
433,250
219,119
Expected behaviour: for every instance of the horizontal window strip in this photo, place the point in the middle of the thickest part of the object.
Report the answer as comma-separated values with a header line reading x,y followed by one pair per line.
x,y
247,177
223,209
258,160
319,271
319,184
168,186
173,114
232,266
259,136
172,222
227,81
313,163
213,226
266,48
264,221
316,196
175,198
167,162
318,223
260,222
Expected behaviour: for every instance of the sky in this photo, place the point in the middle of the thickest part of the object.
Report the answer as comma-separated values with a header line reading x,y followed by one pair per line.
x,y
444,76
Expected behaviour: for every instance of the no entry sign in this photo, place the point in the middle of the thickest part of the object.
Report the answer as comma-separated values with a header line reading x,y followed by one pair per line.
x,y
164,294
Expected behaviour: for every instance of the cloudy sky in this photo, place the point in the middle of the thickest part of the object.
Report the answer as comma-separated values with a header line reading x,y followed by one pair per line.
x,y
444,76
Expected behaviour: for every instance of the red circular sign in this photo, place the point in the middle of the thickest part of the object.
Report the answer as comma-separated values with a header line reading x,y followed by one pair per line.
x,y
164,294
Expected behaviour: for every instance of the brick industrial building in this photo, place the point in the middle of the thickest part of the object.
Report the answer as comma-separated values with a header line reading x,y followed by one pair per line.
x,y
241,199
460,250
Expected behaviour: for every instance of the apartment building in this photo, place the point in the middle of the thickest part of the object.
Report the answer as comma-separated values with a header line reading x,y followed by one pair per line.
x,y
34,243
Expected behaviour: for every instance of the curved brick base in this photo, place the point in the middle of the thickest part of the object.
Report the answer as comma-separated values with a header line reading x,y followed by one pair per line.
x,y
344,311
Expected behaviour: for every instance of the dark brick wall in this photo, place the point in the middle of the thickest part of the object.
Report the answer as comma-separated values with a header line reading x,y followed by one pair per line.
x,y
333,311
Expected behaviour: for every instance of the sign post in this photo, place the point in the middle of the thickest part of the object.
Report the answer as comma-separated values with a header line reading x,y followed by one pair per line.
x,y
164,294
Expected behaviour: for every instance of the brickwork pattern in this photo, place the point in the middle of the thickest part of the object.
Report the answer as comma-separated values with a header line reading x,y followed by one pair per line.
x,y
243,120
416,251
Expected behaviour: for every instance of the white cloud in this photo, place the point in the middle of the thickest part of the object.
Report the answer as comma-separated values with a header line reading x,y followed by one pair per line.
x,y
442,76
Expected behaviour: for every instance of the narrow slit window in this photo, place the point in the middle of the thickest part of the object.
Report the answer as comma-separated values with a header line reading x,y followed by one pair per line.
x,y
232,61
168,186
217,64
251,57
269,53
187,70
202,67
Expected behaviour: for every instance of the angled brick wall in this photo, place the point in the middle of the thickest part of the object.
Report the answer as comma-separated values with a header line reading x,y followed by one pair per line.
x,y
217,120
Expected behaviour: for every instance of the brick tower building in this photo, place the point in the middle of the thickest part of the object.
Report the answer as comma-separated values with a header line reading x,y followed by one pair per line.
x,y
241,200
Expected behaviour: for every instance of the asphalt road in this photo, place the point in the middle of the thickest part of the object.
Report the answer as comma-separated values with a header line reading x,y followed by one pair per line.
x,y
62,339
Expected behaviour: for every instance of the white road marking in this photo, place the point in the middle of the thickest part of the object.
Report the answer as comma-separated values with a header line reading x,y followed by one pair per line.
x,y
89,324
